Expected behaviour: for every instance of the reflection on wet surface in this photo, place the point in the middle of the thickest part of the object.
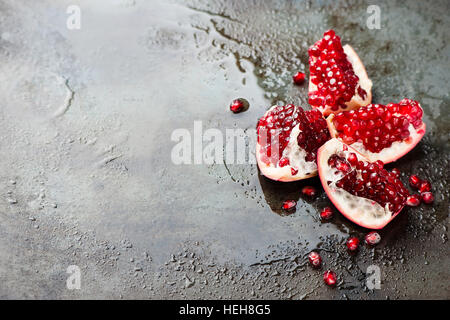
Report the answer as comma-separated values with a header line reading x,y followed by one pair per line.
x,y
139,70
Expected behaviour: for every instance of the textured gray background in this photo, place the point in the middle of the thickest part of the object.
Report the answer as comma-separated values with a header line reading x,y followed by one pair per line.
x,y
86,177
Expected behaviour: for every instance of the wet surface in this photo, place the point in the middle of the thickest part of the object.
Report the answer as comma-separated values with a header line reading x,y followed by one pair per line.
x,y
87,177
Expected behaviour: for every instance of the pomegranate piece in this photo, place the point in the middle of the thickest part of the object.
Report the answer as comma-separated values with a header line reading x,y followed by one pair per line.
x,y
424,186
299,78
289,204
329,277
288,139
237,106
326,213
427,197
372,238
309,191
380,132
338,80
352,244
366,194
414,181
413,201
314,259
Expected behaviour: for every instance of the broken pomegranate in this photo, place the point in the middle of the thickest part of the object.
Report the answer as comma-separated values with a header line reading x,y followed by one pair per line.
x,y
338,80
380,132
315,259
362,191
288,139
330,278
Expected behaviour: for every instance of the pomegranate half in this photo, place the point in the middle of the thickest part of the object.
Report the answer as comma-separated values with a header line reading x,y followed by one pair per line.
x,y
380,132
338,80
362,191
288,139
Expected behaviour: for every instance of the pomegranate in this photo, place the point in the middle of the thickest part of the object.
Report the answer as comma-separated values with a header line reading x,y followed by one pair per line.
x,y
427,197
338,80
352,244
299,78
380,132
314,259
326,213
288,139
413,201
330,278
362,191
372,238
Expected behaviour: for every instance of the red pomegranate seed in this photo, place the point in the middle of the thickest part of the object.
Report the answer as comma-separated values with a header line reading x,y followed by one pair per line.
x,y
330,278
309,191
237,106
413,201
315,259
414,181
299,78
372,238
396,172
289,204
427,197
352,244
326,213
294,171
283,162
352,159
424,186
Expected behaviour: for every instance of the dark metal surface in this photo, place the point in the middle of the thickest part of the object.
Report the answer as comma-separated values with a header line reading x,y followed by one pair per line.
x,y
87,179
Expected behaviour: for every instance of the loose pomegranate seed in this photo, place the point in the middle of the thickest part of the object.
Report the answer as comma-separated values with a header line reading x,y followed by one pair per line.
x,y
414,181
275,127
425,186
294,171
427,197
309,191
413,201
331,72
371,181
326,213
352,244
315,259
299,78
377,126
283,162
289,204
237,105
372,238
330,278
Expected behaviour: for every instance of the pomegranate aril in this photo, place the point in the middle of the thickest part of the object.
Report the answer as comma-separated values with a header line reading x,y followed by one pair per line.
x,y
299,78
329,277
413,201
326,213
283,162
414,181
352,244
309,191
372,238
294,171
237,105
424,186
427,197
314,259
289,204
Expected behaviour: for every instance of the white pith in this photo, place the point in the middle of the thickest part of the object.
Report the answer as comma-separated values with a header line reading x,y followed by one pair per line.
x,y
362,211
296,157
364,82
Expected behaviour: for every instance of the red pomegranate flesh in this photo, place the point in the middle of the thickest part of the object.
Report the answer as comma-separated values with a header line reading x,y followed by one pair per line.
x,y
338,79
288,139
362,191
380,132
